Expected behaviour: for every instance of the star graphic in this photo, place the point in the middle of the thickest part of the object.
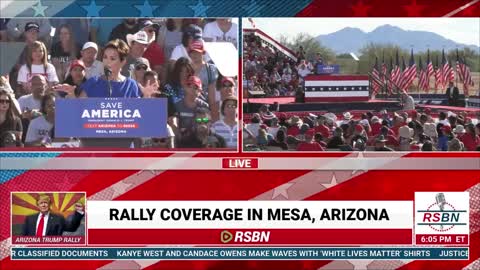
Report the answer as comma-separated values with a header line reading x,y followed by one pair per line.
x,y
359,156
360,9
333,182
360,264
39,9
93,10
414,10
199,10
146,10
282,190
253,9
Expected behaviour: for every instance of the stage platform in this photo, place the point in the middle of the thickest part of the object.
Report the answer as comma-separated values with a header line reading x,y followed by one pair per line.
x,y
252,105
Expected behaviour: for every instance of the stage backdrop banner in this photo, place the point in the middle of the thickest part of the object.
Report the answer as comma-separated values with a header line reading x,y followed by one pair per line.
x,y
110,117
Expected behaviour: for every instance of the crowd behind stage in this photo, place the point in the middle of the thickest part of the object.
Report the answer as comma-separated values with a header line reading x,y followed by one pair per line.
x,y
368,131
145,58
269,71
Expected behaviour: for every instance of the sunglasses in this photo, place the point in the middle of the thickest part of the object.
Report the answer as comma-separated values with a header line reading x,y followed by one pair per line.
x,y
4,101
202,120
228,85
141,67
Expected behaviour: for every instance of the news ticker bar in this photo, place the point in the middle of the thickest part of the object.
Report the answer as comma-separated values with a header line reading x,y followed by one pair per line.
x,y
267,163
234,253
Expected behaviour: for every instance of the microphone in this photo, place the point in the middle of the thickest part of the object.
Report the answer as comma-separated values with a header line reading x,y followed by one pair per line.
x,y
440,198
108,72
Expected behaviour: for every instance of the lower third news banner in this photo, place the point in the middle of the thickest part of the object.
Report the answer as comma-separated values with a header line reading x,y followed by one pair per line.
x,y
241,253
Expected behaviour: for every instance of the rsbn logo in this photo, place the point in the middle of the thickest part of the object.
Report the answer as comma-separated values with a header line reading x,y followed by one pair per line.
x,y
441,215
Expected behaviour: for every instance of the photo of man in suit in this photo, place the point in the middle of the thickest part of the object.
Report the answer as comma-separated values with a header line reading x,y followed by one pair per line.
x,y
47,223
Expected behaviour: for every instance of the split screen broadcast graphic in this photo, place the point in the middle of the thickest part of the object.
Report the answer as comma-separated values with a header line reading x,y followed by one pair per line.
x,y
235,86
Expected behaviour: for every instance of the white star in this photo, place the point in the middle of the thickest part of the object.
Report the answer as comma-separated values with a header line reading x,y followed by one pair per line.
x,y
329,88
282,190
359,156
200,10
39,9
344,88
332,183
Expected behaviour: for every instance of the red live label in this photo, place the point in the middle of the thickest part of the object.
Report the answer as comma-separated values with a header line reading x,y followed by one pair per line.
x,y
240,163
442,239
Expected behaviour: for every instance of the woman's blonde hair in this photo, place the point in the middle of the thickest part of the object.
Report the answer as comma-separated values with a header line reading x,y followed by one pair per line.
x,y
34,46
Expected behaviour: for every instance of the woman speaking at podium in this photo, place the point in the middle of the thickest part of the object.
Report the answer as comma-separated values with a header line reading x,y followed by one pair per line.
x,y
112,83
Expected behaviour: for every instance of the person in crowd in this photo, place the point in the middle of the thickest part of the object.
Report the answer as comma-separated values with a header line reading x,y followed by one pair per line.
x,y
141,66
8,139
427,146
337,140
380,144
36,63
254,124
202,136
64,51
128,26
303,69
207,73
41,129
228,127
177,80
468,136
93,67
3,29
138,44
30,105
309,144
186,108
455,145
408,102
9,120
154,53
70,88
190,33
405,138
279,140
453,95
171,35
221,30
17,27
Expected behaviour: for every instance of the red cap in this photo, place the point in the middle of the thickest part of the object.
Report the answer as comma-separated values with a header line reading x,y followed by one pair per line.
x,y
194,80
263,126
77,63
447,128
197,45
228,79
428,110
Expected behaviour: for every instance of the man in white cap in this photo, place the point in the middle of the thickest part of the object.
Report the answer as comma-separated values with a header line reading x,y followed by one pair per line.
x,y
138,43
93,67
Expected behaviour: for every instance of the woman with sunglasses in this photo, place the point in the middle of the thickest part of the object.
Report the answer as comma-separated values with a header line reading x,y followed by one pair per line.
x,y
9,120
228,127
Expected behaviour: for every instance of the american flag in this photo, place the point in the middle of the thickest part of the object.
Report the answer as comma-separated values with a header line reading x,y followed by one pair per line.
x,y
438,76
464,74
395,72
409,74
377,81
447,71
430,71
422,76
384,69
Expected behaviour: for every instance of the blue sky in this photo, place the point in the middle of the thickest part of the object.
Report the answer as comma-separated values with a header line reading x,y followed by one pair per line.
x,y
462,30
